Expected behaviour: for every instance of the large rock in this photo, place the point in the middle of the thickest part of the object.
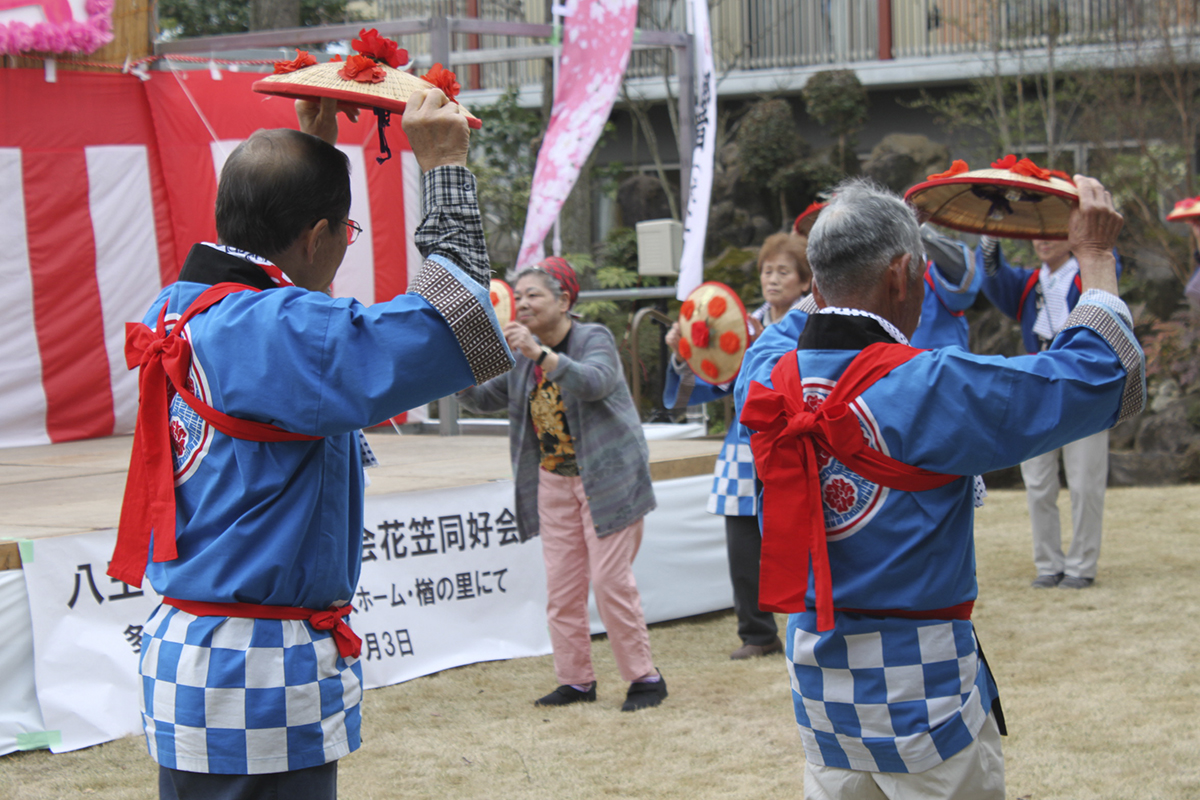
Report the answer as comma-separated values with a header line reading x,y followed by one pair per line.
x,y
903,159
1167,431
1144,469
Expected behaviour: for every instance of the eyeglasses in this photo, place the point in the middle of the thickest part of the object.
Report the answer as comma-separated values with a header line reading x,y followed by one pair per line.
x,y
352,231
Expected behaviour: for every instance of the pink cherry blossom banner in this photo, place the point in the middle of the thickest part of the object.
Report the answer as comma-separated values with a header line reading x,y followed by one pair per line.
x,y
597,41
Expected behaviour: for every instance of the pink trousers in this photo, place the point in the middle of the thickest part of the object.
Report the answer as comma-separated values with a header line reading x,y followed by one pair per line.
x,y
574,556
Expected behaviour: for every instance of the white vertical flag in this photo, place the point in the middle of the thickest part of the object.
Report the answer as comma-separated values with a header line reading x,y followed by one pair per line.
x,y
695,219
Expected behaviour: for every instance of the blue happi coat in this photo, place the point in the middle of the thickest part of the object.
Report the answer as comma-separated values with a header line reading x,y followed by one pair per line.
x,y
881,692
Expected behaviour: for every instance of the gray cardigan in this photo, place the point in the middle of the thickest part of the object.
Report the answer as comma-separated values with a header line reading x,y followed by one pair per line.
x,y
614,461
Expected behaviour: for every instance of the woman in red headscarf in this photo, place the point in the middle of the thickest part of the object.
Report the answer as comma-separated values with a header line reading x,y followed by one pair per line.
x,y
582,474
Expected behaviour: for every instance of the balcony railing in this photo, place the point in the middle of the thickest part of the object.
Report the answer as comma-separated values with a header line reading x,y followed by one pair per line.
x,y
751,35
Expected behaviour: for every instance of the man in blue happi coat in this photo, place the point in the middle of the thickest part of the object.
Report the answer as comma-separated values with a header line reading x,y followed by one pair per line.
x,y
865,447
244,503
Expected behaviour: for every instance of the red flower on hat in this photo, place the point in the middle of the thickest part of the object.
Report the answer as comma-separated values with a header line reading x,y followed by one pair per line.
x,y
362,69
700,333
1005,163
1186,204
338,57
716,306
302,60
685,349
443,79
730,342
687,309
380,48
959,166
1031,170
709,369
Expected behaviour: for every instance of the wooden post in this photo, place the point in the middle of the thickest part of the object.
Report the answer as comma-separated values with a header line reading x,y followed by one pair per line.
x,y
885,30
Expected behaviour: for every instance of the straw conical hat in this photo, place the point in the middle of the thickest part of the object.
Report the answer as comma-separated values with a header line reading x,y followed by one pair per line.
x,y
502,301
807,218
1185,209
322,80
714,332
1018,200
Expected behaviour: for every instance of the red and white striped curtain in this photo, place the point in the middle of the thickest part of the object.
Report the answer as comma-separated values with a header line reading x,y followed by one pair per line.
x,y
106,182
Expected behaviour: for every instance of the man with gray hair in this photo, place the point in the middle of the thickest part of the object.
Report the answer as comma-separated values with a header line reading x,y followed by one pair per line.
x,y
866,448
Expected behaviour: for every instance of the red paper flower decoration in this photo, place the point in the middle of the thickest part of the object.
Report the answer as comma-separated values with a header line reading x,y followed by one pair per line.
x,y
380,48
730,342
709,368
1005,163
302,60
362,69
716,306
443,79
495,298
1187,204
685,349
1029,169
700,333
959,166
338,57
687,309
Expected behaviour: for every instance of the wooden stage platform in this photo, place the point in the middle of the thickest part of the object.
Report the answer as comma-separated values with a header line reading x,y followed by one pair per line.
x,y
60,489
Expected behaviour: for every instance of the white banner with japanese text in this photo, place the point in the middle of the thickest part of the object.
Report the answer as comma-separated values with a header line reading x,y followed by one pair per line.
x,y
87,634
445,582
695,220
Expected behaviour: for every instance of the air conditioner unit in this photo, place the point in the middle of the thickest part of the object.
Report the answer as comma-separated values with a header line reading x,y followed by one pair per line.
x,y
660,247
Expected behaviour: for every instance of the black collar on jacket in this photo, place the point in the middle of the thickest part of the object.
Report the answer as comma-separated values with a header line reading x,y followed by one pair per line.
x,y
208,266
841,332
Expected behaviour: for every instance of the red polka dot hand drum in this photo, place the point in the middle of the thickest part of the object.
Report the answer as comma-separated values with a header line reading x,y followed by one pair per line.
x,y
714,332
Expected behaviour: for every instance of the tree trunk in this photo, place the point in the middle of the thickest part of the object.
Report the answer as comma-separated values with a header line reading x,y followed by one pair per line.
x,y
271,14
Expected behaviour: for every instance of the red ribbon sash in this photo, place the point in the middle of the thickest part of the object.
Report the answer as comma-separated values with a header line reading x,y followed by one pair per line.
x,y
788,433
332,619
165,357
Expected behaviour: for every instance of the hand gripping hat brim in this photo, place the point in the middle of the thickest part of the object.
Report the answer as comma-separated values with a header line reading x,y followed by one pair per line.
x,y
502,301
997,202
714,332
322,80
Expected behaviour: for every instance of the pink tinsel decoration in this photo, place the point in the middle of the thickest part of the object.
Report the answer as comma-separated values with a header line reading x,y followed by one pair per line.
x,y
72,36
50,38
20,37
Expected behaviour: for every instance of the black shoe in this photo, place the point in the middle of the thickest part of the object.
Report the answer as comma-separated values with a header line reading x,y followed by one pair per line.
x,y
566,695
645,695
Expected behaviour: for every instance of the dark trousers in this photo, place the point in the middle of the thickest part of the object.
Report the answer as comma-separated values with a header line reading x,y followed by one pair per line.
x,y
314,783
744,543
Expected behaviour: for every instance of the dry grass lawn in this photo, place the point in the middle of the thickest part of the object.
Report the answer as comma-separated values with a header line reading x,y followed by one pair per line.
x,y
1100,687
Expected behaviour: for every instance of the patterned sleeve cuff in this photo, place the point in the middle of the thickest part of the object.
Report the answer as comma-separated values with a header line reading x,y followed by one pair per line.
x,y
468,311
451,225
991,255
1107,315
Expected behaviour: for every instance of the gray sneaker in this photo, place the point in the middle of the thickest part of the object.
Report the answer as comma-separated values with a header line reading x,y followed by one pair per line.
x,y
1071,582
1047,581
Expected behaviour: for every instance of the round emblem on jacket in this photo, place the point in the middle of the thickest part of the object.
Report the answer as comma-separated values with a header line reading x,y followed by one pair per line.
x,y
190,434
850,501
